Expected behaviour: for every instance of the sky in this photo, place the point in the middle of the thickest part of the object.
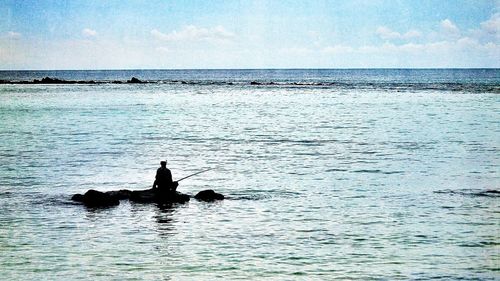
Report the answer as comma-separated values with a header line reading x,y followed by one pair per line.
x,y
153,34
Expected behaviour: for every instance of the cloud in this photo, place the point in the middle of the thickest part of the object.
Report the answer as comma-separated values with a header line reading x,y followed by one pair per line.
x,y
441,47
464,52
14,35
387,34
296,50
163,49
446,47
489,30
337,49
193,33
89,32
449,28
492,25
186,48
412,34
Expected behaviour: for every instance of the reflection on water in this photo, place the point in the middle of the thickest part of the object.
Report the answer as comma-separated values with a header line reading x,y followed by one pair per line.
x,y
321,183
164,217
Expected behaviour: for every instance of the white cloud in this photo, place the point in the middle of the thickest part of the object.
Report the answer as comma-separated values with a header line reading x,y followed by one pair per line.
x,y
337,49
489,30
186,48
14,35
89,32
412,34
193,33
387,33
464,52
296,51
159,35
441,47
163,49
492,25
449,28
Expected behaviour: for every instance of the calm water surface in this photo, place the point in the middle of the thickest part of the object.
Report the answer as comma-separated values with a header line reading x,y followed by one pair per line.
x,y
323,183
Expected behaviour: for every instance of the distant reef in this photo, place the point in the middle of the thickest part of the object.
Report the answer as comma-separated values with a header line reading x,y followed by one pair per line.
x,y
49,80
469,87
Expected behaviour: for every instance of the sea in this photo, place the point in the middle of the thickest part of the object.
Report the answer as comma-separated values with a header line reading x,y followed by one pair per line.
x,y
328,174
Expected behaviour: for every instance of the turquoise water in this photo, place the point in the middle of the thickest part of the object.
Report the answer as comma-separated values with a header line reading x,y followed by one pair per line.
x,y
379,182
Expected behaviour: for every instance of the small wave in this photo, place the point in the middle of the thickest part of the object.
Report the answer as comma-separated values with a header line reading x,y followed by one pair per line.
x,y
260,194
411,146
364,152
252,197
377,171
6,194
480,244
471,192
393,172
336,170
104,153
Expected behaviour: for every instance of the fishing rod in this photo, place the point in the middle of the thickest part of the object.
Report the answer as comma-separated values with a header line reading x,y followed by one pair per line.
x,y
195,174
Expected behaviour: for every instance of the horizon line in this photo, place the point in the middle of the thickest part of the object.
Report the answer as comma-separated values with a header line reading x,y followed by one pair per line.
x,y
277,68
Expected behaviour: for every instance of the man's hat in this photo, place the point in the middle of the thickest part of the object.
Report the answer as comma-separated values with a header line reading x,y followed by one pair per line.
x,y
163,162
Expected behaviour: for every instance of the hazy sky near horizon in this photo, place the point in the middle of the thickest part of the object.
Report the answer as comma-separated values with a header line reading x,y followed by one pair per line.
x,y
92,34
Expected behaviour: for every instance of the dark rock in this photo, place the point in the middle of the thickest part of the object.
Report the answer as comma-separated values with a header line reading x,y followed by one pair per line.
x,y
148,195
156,196
255,83
94,198
77,197
48,80
134,80
208,195
82,82
120,194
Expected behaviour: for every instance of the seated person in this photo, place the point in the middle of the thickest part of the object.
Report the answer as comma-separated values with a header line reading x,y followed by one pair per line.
x,y
163,179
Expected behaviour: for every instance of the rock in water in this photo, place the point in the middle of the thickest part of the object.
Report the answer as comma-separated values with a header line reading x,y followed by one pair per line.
x,y
77,198
208,195
48,80
156,196
94,198
120,194
134,80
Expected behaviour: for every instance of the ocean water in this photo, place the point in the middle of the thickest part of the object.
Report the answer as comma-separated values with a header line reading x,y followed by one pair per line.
x,y
328,174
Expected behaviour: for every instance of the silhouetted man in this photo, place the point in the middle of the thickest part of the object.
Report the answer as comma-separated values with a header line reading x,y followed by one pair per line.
x,y
163,179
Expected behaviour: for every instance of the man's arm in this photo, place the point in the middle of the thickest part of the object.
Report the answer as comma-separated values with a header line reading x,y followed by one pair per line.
x,y
155,183
169,176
